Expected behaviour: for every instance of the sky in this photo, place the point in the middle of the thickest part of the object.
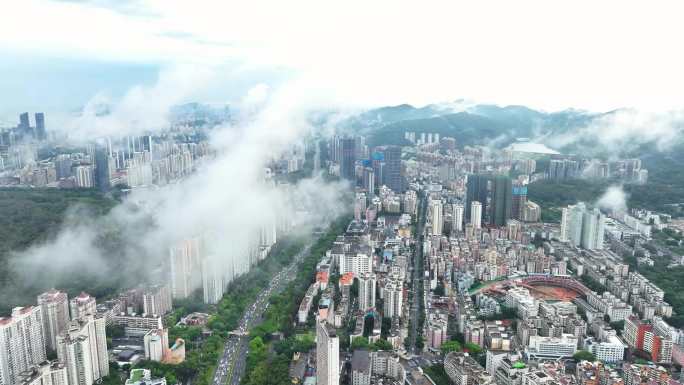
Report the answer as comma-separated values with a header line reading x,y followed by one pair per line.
x,y
544,54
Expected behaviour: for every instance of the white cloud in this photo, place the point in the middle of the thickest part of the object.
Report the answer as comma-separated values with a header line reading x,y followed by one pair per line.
x,y
581,54
614,199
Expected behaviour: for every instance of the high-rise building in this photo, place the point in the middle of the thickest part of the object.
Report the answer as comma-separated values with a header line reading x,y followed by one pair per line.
x,y
212,282
40,126
361,367
392,170
103,170
83,350
185,261
593,223
369,180
157,300
457,217
367,282
54,306
476,190
327,354
82,305
394,299
531,212
501,200
22,343
45,373
437,217
348,159
476,214
518,201
84,176
582,227
156,341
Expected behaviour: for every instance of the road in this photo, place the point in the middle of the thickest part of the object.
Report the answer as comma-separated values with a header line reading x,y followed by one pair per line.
x,y
231,366
418,275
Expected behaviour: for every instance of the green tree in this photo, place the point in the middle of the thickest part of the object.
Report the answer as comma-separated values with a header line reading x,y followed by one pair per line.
x,y
450,346
583,355
359,343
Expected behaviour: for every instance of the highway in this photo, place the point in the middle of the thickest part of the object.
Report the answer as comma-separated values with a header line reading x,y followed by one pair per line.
x,y
231,366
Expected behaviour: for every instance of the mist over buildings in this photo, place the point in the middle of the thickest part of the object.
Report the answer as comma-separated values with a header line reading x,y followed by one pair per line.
x,y
227,201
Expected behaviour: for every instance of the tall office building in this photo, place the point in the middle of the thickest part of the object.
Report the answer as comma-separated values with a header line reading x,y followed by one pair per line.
x,y
519,200
476,214
593,226
437,217
82,305
40,126
391,170
22,343
327,354
501,200
54,306
367,282
103,169
348,159
457,217
476,190
83,350
185,261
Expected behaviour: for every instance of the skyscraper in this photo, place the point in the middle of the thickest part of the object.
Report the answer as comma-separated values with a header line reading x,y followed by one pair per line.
x,y
367,283
327,354
457,217
103,170
391,172
22,343
501,200
476,214
476,190
437,217
348,160
40,126
583,227
519,200
54,306
83,350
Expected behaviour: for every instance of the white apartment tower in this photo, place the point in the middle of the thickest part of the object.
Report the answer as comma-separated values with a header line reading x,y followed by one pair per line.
x,y
393,299
457,217
54,306
327,354
46,373
437,217
83,350
22,344
82,305
185,263
212,282
367,283
476,214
